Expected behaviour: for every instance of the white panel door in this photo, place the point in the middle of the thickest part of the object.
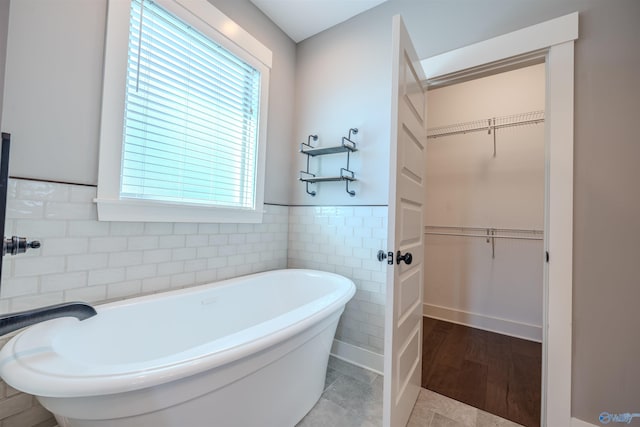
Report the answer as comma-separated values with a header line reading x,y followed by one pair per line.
x,y
403,317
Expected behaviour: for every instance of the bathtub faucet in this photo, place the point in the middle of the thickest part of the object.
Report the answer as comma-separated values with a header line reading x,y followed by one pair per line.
x,y
14,321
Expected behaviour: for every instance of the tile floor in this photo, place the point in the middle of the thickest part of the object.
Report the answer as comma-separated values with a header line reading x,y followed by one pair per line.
x,y
353,398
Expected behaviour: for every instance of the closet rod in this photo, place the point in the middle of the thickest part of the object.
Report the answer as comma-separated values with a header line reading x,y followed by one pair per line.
x,y
484,236
496,233
488,125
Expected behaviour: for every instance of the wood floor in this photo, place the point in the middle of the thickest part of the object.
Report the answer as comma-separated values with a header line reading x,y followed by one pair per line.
x,y
496,373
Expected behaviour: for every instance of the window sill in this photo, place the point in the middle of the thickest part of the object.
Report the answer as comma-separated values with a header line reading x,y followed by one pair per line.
x,y
147,211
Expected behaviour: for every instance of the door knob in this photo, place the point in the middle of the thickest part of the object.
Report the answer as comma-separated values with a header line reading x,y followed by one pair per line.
x,y
407,257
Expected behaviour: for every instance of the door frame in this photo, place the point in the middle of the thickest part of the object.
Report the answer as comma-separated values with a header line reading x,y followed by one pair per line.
x,y
552,42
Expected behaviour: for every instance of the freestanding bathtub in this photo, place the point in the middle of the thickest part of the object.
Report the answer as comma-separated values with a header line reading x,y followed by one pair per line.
x,y
250,351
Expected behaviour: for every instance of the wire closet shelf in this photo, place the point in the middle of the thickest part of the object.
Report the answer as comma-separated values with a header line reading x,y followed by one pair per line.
x,y
484,232
488,233
489,125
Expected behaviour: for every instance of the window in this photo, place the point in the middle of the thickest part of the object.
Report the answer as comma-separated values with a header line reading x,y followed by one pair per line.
x,y
189,142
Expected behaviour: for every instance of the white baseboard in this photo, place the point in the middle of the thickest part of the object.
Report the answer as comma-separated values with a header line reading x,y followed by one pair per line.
x,y
579,423
358,356
487,323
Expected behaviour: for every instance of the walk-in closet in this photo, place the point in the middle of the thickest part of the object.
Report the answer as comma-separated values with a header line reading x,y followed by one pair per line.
x,y
484,253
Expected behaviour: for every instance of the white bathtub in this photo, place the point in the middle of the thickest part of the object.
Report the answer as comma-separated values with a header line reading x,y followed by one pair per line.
x,y
250,351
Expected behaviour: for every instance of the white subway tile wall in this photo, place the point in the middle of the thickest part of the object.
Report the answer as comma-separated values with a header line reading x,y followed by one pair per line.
x,y
84,259
346,240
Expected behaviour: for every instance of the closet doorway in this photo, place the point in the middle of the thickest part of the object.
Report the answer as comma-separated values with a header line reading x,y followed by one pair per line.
x,y
553,41
484,251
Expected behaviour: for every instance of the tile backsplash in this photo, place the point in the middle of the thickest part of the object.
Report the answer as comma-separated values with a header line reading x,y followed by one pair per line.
x,y
346,240
82,258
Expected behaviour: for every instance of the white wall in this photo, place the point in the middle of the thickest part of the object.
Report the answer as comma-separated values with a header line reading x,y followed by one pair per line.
x,y
467,187
53,89
52,86
344,81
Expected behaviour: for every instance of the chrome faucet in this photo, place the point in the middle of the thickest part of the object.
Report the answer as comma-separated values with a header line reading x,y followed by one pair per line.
x,y
13,321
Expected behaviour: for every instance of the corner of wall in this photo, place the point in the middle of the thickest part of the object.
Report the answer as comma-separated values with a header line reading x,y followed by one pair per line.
x,y
345,240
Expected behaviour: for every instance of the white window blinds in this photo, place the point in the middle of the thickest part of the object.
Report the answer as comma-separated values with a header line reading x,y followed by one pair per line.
x,y
191,116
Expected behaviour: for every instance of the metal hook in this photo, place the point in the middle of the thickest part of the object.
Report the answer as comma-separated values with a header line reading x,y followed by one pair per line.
x,y
495,130
343,173
308,144
311,193
351,192
491,232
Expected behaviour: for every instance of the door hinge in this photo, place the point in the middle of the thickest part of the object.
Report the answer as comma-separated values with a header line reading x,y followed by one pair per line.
x,y
547,256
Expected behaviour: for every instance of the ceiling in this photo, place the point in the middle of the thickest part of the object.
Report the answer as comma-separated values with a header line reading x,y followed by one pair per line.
x,y
301,19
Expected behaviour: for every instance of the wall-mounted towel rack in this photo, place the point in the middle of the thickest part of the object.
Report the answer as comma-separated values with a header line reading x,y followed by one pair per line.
x,y
346,146
488,233
490,125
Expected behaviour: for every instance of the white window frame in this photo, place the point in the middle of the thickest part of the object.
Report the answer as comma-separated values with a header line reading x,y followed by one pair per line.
x,y
210,21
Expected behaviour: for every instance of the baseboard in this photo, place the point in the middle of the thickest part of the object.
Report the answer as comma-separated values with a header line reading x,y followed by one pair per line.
x,y
358,356
579,423
487,323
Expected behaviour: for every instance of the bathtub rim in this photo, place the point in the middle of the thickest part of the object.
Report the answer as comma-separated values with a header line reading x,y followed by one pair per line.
x,y
24,376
